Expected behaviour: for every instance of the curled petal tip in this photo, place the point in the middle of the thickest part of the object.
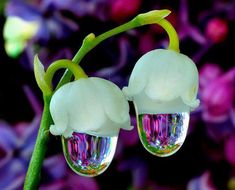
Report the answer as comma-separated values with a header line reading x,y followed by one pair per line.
x,y
130,128
127,94
55,130
195,104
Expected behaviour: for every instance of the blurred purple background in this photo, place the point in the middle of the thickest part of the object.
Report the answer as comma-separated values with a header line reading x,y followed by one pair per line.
x,y
206,161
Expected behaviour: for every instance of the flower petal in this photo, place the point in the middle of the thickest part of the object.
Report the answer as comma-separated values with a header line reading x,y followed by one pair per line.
x,y
137,81
89,105
84,110
170,83
58,110
146,105
114,102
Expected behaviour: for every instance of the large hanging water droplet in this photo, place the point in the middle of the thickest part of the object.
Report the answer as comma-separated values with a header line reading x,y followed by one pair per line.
x,y
163,134
89,155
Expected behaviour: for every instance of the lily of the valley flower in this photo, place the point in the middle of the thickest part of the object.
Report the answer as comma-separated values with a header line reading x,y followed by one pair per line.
x,y
89,105
163,81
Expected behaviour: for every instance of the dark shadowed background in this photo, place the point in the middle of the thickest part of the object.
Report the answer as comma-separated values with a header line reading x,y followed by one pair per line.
x,y
55,28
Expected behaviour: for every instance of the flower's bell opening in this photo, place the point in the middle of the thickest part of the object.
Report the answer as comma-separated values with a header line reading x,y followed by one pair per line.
x,y
163,134
88,155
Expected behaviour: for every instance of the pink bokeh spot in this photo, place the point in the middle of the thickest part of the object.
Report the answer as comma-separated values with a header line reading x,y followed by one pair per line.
x,y
216,92
123,9
217,30
229,150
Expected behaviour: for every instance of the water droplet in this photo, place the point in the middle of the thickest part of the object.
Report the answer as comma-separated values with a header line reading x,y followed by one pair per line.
x,y
89,155
163,134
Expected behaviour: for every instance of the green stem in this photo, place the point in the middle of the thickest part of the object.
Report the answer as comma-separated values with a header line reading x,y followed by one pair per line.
x,y
33,174
173,36
91,41
152,17
75,69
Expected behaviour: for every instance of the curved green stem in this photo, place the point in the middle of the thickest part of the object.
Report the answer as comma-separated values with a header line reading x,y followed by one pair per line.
x,y
173,36
60,64
152,17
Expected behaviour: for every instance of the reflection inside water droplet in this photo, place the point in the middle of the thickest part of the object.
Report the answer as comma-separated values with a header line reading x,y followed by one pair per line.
x,y
89,155
163,134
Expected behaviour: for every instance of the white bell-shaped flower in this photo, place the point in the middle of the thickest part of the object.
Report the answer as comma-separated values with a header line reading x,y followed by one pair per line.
x,y
163,81
89,105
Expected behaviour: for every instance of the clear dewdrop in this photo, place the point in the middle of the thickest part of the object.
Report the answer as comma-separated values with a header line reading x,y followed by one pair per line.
x,y
89,155
163,134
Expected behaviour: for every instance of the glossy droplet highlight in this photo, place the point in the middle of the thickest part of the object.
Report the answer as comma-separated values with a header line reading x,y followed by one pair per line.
x,y
163,134
89,155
